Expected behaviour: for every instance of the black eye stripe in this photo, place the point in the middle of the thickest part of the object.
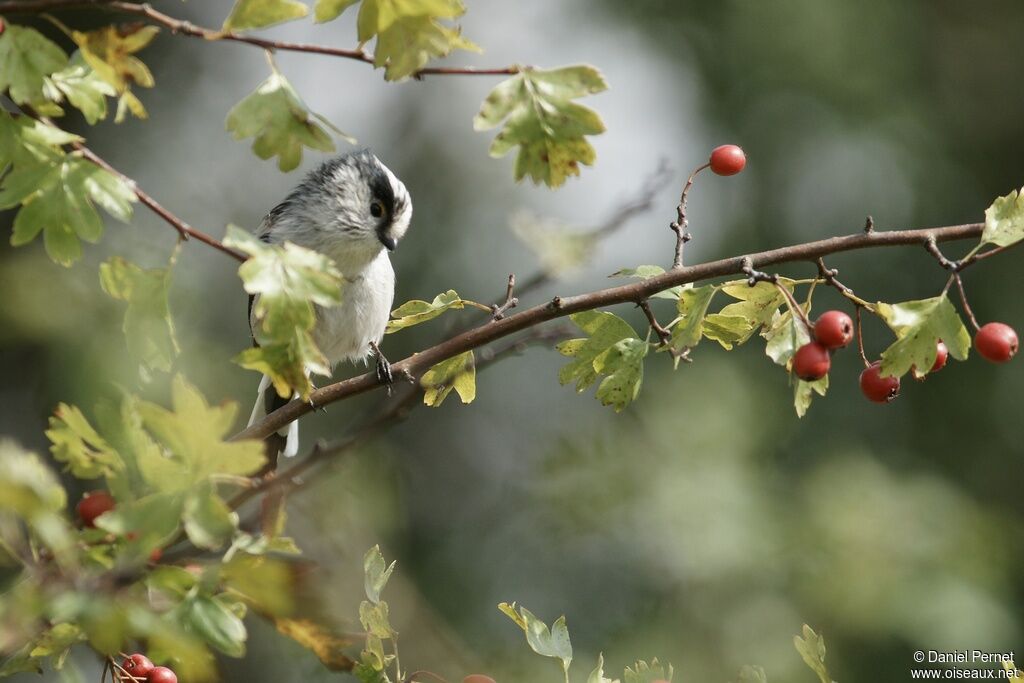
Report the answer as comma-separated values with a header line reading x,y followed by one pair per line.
x,y
376,209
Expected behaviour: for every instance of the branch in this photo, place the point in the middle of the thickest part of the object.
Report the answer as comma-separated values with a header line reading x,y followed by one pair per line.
x,y
560,307
186,28
679,225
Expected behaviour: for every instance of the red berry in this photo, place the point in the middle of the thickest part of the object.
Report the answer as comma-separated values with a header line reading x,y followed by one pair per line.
x,y
2,26
811,362
877,388
92,505
155,555
161,674
834,329
996,342
477,678
138,666
727,160
941,356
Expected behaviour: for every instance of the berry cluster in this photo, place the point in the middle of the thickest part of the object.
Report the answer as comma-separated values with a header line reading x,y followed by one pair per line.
x,y
996,342
137,668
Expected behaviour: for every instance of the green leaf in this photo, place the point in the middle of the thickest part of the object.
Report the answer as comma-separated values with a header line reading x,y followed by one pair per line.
x,y
194,431
458,373
280,122
597,675
559,250
209,522
645,273
264,582
375,619
812,649
376,573
411,42
784,337
148,327
214,623
287,282
692,305
153,520
803,392
110,51
247,14
417,311
82,87
25,142
642,672
919,326
623,364
1004,220
604,330
28,488
27,57
75,442
58,199
327,10
541,119
752,674
548,642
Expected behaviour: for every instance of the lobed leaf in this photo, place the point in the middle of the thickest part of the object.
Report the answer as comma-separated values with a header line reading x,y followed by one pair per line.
x,y
919,326
642,672
812,650
541,119
328,647
417,311
147,326
548,642
692,305
27,57
376,573
75,442
110,52
597,675
457,373
248,14
82,86
1004,220
604,330
803,392
623,364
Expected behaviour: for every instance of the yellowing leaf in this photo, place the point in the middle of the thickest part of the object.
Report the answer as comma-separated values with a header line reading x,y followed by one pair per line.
x,y
148,327
248,14
919,326
287,280
548,642
27,57
417,311
604,330
803,392
280,122
194,431
692,306
110,51
642,672
410,42
326,10
541,119
74,441
623,364
458,373
58,199
376,573
812,650
1004,220
82,87
328,647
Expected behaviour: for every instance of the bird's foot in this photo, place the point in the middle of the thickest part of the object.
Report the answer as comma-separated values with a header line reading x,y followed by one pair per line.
x,y
384,374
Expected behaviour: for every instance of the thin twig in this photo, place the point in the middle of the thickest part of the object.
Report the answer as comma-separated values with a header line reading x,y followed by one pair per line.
x,y
828,276
562,306
860,337
664,335
498,311
680,224
963,300
186,28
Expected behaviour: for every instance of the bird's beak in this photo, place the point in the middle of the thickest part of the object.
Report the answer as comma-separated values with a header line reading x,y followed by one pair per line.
x,y
388,241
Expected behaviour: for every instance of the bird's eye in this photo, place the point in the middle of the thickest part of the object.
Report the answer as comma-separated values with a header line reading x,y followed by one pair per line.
x,y
376,209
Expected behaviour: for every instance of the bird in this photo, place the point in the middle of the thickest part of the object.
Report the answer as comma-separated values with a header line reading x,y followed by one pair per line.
x,y
353,209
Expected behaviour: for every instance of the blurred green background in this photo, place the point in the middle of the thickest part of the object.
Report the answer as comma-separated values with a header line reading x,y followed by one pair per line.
x,y
706,523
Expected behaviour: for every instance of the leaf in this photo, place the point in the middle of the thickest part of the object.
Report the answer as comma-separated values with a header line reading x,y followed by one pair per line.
x,y
327,10
148,327
597,675
110,51
645,273
375,573
209,522
812,649
542,120
553,642
604,330
919,326
82,87
559,250
803,392
737,322
784,337
328,647
215,623
417,311
458,373
152,520
280,122
752,674
194,431
692,306
24,143
623,364
375,620
58,199
642,672
265,582
28,488
75,442
247,14
27,57
1004,220
412,41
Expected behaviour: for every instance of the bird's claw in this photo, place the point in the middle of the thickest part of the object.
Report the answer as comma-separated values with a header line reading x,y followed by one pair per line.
x,y
384,374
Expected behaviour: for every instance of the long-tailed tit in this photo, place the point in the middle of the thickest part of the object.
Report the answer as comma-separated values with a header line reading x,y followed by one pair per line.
x,y
353,209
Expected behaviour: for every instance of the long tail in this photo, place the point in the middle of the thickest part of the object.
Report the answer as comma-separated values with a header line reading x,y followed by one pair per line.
x,y
286,440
